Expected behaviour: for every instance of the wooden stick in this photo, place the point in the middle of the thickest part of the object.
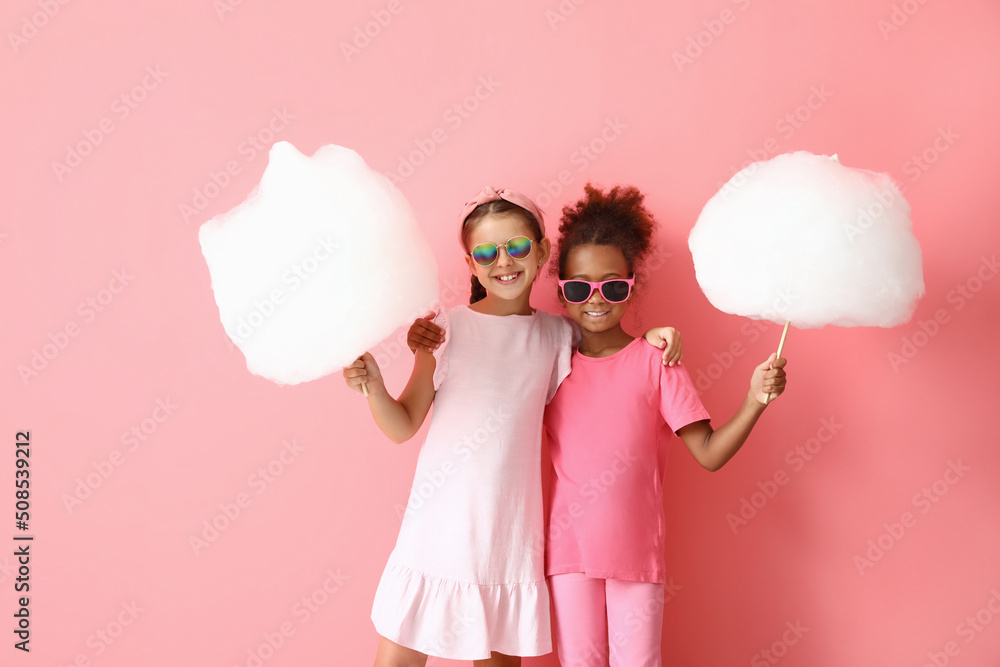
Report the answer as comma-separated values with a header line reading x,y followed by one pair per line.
x,y
781,345
364,389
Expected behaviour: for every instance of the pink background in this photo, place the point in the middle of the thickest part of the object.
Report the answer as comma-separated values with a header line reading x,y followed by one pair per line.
x,y
907,88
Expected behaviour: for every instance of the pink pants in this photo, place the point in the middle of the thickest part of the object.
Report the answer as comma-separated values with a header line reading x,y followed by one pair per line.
x,y
593,616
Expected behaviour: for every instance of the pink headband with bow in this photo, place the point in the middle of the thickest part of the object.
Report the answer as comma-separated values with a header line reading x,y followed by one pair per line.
x,y
489,194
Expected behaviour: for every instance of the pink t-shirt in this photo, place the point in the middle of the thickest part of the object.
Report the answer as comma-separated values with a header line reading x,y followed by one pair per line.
x,y
608,426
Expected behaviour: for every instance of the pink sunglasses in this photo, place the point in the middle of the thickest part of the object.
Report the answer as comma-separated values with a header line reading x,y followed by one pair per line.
x,y
614,290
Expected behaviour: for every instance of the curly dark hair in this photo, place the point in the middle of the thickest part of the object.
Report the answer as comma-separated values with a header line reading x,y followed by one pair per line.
x,y
616,218
497,207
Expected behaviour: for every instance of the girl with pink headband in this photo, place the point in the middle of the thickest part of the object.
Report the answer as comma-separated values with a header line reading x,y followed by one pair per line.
x,y
466,579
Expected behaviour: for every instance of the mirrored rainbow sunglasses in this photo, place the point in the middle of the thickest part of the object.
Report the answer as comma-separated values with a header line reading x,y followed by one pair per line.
x,y
485,254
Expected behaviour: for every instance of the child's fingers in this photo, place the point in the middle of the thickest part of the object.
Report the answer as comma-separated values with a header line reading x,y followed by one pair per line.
x,y
774,381
424,334
775,378
352,372
676,352
431,330
358,384
423,339
355,377
766,366
429,327
414,340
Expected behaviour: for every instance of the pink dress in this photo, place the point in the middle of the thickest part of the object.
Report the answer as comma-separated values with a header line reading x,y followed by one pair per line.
x,y
467,574
609,426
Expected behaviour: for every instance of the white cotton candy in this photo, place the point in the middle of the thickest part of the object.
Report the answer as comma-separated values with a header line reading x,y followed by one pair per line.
x,y
802,238
321,262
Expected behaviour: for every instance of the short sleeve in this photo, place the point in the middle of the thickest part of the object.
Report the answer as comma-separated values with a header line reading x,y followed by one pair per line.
x,y
680,404
441,353
566,335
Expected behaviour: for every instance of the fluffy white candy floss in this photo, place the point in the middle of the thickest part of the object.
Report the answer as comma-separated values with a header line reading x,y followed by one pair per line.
x,y
804,239
321,262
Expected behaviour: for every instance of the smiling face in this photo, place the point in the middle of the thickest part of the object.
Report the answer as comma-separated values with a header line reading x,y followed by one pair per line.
x,y
595,263
506,278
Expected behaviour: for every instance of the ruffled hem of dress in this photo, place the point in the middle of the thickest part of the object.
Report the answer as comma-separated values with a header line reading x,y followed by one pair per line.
x,y
461,620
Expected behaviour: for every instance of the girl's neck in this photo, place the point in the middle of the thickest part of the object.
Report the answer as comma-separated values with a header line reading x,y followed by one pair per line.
x,y
603,343
491,305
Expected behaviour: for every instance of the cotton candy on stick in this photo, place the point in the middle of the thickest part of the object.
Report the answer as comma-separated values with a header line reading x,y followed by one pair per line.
x,y
803,240
321,262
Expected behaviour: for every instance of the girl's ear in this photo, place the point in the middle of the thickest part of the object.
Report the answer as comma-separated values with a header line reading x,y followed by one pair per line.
x,y
544,249
471,263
